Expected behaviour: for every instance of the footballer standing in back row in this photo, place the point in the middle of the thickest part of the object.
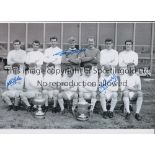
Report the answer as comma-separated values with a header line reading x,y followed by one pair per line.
x,y
128,55
17,55
35,56
50,54
72,56
91,54
109,56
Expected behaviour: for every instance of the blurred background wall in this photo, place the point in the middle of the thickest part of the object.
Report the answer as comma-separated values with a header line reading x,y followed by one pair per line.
x,y
142,35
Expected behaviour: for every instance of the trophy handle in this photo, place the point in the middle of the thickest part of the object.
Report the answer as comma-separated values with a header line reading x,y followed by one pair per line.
x,y
75,111
39,108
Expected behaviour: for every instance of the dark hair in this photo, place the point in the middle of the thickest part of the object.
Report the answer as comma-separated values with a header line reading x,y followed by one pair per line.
x,y
1,59
88,66
129,41
54,37
108,40
130,64
107,67
36,41
91,37
17,41
71,39
69,67
16,65
51,64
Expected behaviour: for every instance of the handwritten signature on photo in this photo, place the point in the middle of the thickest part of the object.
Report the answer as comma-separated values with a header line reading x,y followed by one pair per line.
x,y
69,52
113,79
13,81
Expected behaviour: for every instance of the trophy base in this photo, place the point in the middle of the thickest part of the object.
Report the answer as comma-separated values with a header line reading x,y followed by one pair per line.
x,y
82,117
40,115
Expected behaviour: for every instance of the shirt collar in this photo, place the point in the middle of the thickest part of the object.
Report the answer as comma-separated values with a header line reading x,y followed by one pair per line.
x,y
72,49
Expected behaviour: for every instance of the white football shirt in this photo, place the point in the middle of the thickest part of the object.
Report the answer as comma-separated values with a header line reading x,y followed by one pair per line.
x,y
126,57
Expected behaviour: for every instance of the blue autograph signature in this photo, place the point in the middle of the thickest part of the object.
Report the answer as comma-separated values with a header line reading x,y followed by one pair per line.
x,y
113,79
13,81
68,52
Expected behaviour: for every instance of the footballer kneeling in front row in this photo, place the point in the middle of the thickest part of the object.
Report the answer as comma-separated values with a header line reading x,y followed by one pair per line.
x,y
88,86
108,87
32,88
51,88
14,84
68,91
132,92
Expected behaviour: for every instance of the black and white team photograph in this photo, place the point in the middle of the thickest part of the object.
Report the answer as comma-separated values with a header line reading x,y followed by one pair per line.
x,y
77,75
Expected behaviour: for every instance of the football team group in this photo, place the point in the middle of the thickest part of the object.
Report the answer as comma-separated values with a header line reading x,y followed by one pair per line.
x,y
76,66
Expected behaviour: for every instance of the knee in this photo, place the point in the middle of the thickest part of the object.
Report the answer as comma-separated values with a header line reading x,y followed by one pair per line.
x,y
45,92
60,96
17,94
114,95
50,95
3,95
94,95
126,93
81,94
140,94
102,96
75,96
21,95
55,93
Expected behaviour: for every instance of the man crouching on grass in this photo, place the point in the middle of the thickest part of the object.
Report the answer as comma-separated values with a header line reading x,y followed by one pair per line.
x,y
32,88
14,84
108,87
132,92
68,89
51,89
88,86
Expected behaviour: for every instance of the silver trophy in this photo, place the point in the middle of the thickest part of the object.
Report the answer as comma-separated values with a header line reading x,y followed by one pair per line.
x,y
82,112
39,100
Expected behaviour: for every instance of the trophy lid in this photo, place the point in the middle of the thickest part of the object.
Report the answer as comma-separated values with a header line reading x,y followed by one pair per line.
x,y
83,102
39,100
